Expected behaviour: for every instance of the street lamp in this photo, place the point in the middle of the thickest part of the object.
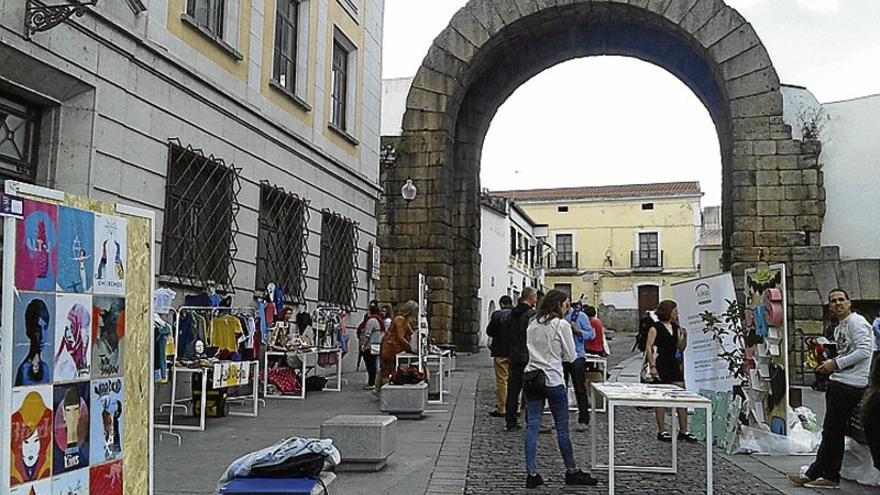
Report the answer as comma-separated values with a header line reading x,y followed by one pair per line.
x,y
409,191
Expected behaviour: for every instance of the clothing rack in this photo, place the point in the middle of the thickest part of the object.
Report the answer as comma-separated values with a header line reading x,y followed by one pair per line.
x,y
214,311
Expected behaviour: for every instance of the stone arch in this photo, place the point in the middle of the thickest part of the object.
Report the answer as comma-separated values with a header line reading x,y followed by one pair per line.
x,y
491,47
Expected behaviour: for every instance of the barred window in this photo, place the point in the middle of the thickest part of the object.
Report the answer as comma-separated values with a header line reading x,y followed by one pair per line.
x,y
282,247
284,66
337,278
339,89
208,14
201,205
18,140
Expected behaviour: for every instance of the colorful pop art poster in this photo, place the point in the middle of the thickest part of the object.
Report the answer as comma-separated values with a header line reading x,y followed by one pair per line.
x,y
31,435
33,334
71,427
110,260
43,487
75,483
106,420
76,250
108,335
36,255
72,353
106,479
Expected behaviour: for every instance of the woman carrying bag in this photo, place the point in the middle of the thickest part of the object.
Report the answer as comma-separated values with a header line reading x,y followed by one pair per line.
x,y
666,363
397,339
550,343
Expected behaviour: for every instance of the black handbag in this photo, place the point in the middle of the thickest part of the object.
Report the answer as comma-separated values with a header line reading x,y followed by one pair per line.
x,y
305,465
534,384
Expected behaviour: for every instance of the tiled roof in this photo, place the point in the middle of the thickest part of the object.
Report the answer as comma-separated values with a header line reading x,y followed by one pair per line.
x,y
602,192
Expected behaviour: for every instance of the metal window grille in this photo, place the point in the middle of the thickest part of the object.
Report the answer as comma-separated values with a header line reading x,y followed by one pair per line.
x,y
337,278
208,14
18,140
201,206
282,243
339,89
284,66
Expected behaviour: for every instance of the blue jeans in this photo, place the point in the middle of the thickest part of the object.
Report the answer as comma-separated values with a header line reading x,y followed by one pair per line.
x,y
558,398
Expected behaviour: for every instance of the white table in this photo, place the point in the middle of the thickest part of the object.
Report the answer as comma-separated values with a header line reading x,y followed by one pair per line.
x,y
603,365
254,396
440,360
647,395
307,359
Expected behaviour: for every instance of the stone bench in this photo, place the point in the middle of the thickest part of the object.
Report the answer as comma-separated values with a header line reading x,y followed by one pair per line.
x,y
364,442
404,401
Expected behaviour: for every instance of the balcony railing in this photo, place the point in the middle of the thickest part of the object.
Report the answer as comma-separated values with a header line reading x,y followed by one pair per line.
x,y
648,261
568,262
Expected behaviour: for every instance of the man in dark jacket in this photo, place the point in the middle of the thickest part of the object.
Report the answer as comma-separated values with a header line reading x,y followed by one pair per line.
x,y
516,326
500,349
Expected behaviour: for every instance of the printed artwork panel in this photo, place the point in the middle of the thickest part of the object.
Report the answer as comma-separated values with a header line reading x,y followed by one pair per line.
x,y
106,420
43,487
31,435
106,479
110,260
71,420
76,250
108,335
75,483
72,353
33,332
36,255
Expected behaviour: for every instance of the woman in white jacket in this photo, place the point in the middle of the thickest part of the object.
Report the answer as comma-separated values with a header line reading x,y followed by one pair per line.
x,y
550,343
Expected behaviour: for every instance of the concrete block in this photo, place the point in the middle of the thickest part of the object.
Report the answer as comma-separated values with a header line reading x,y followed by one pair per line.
x,y
364,441
404,401
848,278
869,279
825,274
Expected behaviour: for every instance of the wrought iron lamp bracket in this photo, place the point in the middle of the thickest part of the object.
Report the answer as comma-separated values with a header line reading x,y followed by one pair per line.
x,y
41,17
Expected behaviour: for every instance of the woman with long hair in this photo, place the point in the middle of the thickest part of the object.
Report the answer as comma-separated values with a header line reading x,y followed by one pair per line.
x,y
666,363
550,343
397,339
34,370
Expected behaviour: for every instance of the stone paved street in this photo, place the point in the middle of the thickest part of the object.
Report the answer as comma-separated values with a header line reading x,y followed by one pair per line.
x,y
497,464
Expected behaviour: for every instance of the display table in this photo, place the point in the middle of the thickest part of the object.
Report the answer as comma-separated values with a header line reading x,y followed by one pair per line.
x,y
602,364
646,395
206,374
309,360
437,362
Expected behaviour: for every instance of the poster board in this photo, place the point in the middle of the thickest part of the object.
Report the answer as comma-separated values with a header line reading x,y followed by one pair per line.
x,y
703,368
76,393
767,350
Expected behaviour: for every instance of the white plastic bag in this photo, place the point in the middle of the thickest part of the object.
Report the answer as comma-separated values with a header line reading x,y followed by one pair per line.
x,y
858,464
760,440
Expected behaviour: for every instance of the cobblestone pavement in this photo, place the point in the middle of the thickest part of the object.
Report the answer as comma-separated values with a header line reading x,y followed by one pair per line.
x,y
497,463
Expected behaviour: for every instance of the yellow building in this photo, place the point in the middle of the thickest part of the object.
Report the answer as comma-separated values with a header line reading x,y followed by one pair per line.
x,y
618,248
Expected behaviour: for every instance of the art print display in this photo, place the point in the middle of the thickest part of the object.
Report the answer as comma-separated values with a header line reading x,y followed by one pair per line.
x,y
108,334
106,420
31,435
71,420
106,479
110,260
75,483
33,338
76,249
36,260
43,487
73,337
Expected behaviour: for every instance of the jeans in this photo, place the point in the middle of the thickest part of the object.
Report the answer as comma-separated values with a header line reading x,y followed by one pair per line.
x,y
558,398
840,402
371,363
501,372
515,372
578,371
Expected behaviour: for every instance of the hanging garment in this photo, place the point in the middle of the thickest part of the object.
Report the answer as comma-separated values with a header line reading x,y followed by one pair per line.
x,y
327,359
223,331
303,321
261,318
185,336
761,322
270,314
278,298
161,331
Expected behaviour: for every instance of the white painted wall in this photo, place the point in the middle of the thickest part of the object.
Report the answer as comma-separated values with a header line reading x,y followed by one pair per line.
x,y
495,251
851,161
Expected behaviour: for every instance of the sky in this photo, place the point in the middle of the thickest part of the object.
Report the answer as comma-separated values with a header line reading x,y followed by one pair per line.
x,y
617,120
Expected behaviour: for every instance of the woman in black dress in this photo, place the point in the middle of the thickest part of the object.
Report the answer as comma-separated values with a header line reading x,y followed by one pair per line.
x,y
666,361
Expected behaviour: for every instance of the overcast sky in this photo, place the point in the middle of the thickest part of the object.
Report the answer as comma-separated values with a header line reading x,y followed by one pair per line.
x,y
615,120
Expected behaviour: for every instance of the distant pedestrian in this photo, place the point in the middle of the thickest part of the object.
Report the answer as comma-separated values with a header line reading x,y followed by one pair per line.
x,y
397,339
666,364
370,342
389,315
582,333
500,349
850,373
515,327
597,344
550,343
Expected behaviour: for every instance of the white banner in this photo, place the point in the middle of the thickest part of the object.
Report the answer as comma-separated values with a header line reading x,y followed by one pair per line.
x,y
703,368
232,373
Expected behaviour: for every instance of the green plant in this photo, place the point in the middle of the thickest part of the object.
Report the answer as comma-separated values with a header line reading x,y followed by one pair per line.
x,y
729,325
812,122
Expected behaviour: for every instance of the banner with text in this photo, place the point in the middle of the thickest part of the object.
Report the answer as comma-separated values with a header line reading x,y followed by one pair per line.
x,y
704,369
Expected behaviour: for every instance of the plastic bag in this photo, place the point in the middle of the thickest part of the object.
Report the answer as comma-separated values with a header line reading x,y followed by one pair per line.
x,y
278,454
858,464
760,440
